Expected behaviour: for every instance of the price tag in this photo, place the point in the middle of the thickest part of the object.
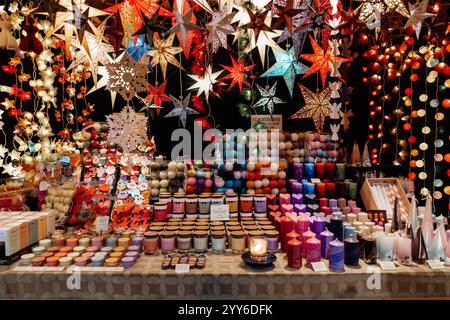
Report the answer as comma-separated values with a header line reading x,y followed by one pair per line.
x,y
181,268
435,264
315,180
101,223
38,269
319,266
220,212
387,265
94,269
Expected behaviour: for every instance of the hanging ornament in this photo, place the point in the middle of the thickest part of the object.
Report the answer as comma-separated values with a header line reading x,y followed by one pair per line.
x,y
286,14
181,109
205,83
164,53
149,27
7,39
417,15
30,43
218,29
268,99
157,95
237,73
115,32
183,26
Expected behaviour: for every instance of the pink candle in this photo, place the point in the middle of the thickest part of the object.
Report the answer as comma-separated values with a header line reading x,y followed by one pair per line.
x,y
302,223
308,234
285,198
351,203
312,248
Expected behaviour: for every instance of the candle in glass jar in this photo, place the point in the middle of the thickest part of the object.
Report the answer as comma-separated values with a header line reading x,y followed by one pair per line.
x,y
309,170
336,255
184,240
325,238
294,254
237,241
246,203
258,246
232,200
330,169
218,241
167,241
260,203
313,250
167,199
151,242
272,240
319,170
178,206
204,202
192,206
160,211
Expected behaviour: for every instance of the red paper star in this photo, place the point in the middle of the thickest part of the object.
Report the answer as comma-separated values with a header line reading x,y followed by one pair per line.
x,y
25,95
146,7
237,73
157,94
9,69
190,33
321,61
15,91
286,14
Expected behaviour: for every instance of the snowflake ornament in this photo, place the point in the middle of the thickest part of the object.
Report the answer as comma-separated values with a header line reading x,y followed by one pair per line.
x,y
128,129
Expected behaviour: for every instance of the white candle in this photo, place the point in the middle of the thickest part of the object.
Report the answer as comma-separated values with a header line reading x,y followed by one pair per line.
x,y
370,225
386,248
362,216
387,227
350,217
404,250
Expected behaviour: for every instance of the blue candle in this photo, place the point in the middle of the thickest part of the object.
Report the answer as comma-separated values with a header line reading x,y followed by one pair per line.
x,y
336,255
351,252
309,170
336,225
318,226
325,238
308,188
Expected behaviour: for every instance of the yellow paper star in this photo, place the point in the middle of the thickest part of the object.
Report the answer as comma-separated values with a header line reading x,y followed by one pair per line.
x,y
24,77
164,53
14,61
9,104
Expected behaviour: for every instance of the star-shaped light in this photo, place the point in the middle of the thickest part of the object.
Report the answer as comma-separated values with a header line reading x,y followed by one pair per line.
x,y
10,170
184,24
8,104
164,53
23,77
205,83
286,66
14,155
237,73
219,28
149,27
181,109
418,14
323,62
3,151
316,107
157,94
268,99
286,14
257,23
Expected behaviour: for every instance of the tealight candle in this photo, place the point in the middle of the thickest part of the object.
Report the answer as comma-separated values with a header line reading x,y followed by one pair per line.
x,y
72,242
325,238
294,254
46,243
25,259
37,251
65,261
272,240
123,242
97,242
111,242
258,246
336,255
313,250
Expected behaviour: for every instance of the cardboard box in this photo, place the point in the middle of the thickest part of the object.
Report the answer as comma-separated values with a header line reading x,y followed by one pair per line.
x,y
9,239
33,228
51,220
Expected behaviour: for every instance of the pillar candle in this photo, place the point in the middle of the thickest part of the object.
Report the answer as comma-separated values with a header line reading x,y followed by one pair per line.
x,y
318,226
298,171
271,199
308,188
340,171
386,248
362,216
370,225
330,169
351,252
277,222
302,224
286,208
297,198
351,203
388,227
336,255
341,202
309,171
404,250
349,231
335,209
356,210
346,210
336,225
350,217
286,226
352,190
326,210
332,203
323,202
296,187
289,236
313,250
339,189
294,254
320,189
330,189
306,236
285,198
325,238
298,208
320,170
369,250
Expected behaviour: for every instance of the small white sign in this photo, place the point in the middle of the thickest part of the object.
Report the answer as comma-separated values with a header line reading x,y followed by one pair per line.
x,y
94,269
435,264
274,121
315,180
319,266
181,268
101,223
38,269
220,212
387,265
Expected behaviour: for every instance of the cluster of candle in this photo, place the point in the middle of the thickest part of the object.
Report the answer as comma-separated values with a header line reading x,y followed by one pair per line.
x,y
95,252
170,261
198,235
199,178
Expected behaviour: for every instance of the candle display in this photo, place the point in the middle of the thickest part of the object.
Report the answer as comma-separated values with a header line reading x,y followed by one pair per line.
x,y
325,238
336,255
302,224
312,250
294,254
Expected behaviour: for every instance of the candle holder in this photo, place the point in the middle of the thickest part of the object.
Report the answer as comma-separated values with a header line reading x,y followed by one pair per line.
x,y
258,256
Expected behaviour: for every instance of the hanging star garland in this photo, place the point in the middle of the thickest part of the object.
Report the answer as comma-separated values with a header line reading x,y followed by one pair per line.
x,y
127,77
316,107
323,62
181,109
417,15
183,27
237,73
218,29
164,53
268,99
157,94
286,14
149,27
286,66
205,83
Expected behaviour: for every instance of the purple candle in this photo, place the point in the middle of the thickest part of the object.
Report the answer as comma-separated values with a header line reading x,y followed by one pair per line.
x,y
318,226
297,198
296,187
335,209
325,238
300,208
298,171
336,255
332,203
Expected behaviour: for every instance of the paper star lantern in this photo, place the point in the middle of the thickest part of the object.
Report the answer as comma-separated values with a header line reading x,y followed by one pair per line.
x,y
50,8
127,77
205,83
286,66
149,27
268,99
257,23
417,15
3,151
316,107
237,73
137,49
181,109
382,6
12,171
116,33
298,39
128,129
218,29
164,53
286,14
323,62
184,24
157,94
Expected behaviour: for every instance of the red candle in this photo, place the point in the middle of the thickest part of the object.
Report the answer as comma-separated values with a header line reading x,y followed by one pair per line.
x,y
323,202
312,250
290,236
308,234
285,227
340,189
294,254
277,222
330,186
320,189
326,210
320,170
330,170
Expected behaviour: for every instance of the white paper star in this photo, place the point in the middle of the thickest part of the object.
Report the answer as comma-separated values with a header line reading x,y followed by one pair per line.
x,y
181,109
418,14
3,151
205,84
268,99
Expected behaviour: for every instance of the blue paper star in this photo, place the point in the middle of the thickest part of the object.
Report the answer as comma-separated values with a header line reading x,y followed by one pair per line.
x,y
287,66
138,50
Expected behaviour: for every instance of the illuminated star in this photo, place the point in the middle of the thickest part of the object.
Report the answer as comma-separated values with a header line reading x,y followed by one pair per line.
x,y
3,151
287,66
206,82
14,155
268,99
9,169
23,77
181,109
50,9
1,113
14,61
9,104
237,73
316,107
418,13
157,94
1,125
164,53
183,24
323,62
286,14
219,28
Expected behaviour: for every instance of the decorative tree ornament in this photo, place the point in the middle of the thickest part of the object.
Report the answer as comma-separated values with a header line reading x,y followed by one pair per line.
x,y
157,95
30,43
181,109
268,99
316,107
127,77
127,129
287,66
205,83
237,73
164,53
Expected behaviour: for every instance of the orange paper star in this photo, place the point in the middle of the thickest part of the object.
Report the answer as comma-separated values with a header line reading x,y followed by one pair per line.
x,y
157,94
237,73
14,61
24,77
323,62
9,104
